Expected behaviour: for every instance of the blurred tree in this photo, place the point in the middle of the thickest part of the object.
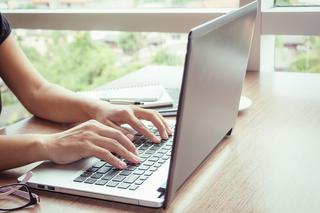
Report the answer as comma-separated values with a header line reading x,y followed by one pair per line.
x,y
308,61
283,2
165,57
75,65
131,42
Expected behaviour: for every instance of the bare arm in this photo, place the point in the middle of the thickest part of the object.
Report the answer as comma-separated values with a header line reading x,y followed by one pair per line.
x,y
40,97
98,137
55,103
19,150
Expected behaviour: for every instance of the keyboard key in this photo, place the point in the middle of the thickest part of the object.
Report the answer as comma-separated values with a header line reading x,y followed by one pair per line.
x,y
92,169
110,174
143,159
90,181
86,174
157,165
133,187
141,151
139,182
119,178
99,164
165,157
101,182
162,151
96,176
104,170
143,167
159,155
138,172
167,147
123,185
153,169
148,163
148,173
125,172
161,161
145,155
150,152
79,179
144,177
132,167
153,159
154,148
131,178
112,184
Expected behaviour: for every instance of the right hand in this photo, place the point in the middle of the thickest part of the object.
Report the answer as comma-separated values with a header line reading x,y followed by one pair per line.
x,y
91,138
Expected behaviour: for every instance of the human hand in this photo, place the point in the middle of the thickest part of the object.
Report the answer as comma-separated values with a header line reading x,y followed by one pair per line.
x,y
116,115
90,138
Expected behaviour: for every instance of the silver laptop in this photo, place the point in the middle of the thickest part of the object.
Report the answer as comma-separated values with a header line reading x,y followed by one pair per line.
x,y
215,66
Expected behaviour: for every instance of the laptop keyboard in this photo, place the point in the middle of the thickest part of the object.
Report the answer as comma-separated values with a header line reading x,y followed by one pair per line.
x,y
152,156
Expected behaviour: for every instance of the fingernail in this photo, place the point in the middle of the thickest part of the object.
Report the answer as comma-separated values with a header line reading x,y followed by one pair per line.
x,y
166,135
157,140
122,165
136,159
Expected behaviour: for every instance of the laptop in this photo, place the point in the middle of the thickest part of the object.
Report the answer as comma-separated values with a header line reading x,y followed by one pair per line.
x,y
215,66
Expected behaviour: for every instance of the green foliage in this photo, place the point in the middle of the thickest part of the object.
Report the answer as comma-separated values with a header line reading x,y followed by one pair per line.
x,y
165,57
283,2
76,65
131,42
309,61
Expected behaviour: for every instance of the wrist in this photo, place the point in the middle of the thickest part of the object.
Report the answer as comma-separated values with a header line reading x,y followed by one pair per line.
x,y
37,151
92,108
88,107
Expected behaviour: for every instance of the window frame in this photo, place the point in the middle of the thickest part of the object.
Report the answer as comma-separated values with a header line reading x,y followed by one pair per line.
x,y
271,21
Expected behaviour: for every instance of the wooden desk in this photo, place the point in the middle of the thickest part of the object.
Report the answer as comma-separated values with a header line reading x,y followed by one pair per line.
x,y
269,164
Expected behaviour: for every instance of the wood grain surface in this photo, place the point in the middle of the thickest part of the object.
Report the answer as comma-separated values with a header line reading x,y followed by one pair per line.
x,y
269,164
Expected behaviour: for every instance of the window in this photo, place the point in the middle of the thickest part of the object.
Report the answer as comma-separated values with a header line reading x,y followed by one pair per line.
x,y
290,36
64,37
84,60
297,53
281,3
117,4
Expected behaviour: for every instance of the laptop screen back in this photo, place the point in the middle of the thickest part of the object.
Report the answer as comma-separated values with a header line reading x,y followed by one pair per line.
x,y
216,62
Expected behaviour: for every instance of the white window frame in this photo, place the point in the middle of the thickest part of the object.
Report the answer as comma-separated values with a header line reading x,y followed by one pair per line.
x,y
270,22
283,21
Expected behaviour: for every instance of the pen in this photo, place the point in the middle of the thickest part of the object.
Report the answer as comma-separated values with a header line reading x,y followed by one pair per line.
x,y
123,102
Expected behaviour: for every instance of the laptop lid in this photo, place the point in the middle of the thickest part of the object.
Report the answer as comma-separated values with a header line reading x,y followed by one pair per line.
x,y
215,66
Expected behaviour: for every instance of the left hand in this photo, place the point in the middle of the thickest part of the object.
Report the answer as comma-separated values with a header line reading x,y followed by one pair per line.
x,y
116,115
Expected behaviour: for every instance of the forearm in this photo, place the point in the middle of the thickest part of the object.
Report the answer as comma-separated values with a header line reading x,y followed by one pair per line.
x,y
19,150
40,97
58,104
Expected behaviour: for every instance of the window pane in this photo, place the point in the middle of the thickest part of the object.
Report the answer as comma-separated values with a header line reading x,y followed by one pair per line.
x,y
297,53
80,60
297,3
116,4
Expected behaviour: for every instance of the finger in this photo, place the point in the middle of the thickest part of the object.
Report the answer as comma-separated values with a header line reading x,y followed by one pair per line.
x,y
107,156
157,122
168,128
135,123
115,147
117,127
118,136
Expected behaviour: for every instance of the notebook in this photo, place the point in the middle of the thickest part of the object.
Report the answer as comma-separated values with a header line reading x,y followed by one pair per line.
x,y
146,96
